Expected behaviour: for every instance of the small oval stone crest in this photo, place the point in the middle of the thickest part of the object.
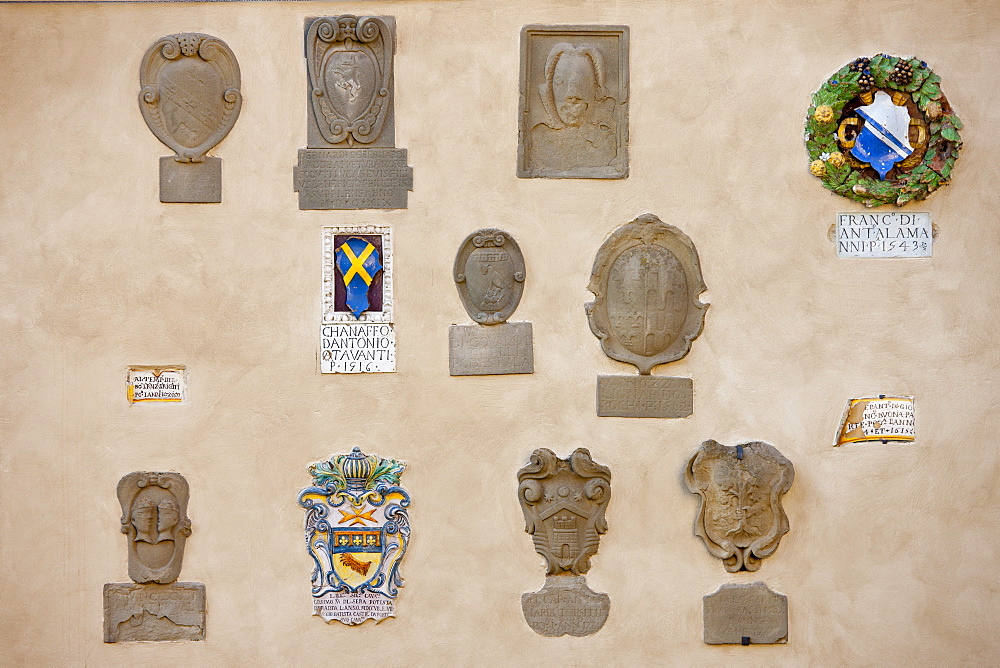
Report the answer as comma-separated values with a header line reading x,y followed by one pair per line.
x,y
489,274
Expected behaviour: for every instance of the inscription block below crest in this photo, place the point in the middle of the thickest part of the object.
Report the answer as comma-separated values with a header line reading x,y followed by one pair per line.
x,y
474,350
145,613
745,614
645,396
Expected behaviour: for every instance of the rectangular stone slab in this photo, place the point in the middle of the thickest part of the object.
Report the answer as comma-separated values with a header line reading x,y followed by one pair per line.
x,y
752,611
153,612
644,396
191,182
483,350
353,178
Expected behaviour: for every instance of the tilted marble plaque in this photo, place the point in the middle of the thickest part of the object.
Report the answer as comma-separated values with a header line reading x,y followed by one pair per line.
x,y
190,99
740,517
155,522
564,502
745,614
574,102
646,281
351,161
489,274
356,553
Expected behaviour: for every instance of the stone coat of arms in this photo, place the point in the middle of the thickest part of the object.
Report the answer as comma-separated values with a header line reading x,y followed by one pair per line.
x,y
357,531
740,518
564,501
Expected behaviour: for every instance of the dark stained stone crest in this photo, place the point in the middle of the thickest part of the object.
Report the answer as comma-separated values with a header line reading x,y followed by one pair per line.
x,y
190,99
740,517
564,501
489,274
349,60
350,161
646,281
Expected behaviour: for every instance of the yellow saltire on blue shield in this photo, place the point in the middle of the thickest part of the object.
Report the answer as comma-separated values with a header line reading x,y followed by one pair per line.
x,y
359,262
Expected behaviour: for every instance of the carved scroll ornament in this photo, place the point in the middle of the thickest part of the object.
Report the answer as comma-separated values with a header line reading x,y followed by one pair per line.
x,y
740,518
350,75
190,96
646,281
154,517
489,275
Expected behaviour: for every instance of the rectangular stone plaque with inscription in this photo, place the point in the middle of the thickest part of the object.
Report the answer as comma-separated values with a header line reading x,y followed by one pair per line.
x,y
745,614
153,612
645,396
881,235
351,161
478,350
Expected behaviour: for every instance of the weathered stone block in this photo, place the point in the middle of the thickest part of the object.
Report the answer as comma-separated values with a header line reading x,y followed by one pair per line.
x,y
745,614
154,613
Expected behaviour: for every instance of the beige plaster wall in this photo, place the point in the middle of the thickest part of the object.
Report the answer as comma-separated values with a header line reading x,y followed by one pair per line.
x,y
891,558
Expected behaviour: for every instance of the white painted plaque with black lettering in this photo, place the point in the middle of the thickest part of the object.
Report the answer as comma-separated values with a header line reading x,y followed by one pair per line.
x,y
882,235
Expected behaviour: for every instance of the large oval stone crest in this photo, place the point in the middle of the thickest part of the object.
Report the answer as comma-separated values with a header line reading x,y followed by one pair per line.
x,y
646,280
190,96
489,275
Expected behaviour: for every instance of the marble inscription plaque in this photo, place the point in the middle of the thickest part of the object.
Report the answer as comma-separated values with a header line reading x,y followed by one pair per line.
x,y
357,334
136,613
880,418
574,102
743,614
474,350
156,384
564,503
351,161
190,99
740,518
363,178
645,396
357,530
890,234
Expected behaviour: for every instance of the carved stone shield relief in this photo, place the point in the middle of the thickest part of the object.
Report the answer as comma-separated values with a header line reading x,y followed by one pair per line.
x,y
350,73
489,274
564,502
740,518
190,95
646,281
154,517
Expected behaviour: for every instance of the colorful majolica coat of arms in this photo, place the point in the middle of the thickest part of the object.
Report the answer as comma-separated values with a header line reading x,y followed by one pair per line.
x,y
881,131
357,530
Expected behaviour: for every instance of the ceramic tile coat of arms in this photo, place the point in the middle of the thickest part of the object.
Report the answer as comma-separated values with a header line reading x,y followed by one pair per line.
x,y
740,517
564,501
646,281
357,530
190,99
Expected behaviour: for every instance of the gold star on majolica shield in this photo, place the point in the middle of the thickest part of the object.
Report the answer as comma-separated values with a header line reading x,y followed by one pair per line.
x,y
356,517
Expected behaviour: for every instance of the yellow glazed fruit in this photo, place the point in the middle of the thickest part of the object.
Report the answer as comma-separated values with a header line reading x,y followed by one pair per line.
x,y
836,159
817,167
824,113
